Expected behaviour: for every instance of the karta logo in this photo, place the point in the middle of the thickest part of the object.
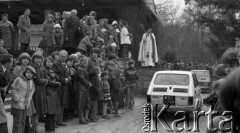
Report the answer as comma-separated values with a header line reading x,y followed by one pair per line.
x,y
151,120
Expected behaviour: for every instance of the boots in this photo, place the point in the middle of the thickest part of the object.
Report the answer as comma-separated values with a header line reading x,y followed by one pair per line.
x,y
86,116
82,120
116,114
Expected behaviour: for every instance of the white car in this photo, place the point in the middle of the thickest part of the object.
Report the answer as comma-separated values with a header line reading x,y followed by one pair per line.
x,y
179,89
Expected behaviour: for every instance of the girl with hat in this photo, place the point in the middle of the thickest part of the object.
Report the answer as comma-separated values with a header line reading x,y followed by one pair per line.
x,y
39,98
22,91
57,36
23,61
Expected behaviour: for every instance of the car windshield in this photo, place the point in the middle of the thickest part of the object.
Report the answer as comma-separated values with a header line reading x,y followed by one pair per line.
x,y
201,74
172,79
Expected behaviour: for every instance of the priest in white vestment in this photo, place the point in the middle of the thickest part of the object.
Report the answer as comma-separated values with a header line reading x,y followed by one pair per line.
x,y
148,54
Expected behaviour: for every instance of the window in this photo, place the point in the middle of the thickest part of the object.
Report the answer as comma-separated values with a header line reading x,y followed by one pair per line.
x,y
172,79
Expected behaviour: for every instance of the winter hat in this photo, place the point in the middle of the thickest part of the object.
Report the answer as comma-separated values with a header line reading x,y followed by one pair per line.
x,y
57,26
37,54
92,13
71,58
83,62
114,22
100,20
30,68
23,55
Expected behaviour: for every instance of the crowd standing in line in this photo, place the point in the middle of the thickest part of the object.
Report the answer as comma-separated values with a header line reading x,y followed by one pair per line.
x,y
83,79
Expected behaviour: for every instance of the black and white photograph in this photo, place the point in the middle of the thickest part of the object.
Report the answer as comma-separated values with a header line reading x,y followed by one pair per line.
x,y
119,66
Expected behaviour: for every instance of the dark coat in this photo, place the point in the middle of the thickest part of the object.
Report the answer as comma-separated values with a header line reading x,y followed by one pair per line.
x,y
117,90
95,89
72,31
39,97
82,79
4,81
61,73
53,104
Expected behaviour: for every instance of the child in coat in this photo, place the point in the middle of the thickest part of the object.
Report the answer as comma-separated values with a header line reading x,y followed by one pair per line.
x,y
57,36
105,97
22,91
94,93
117,90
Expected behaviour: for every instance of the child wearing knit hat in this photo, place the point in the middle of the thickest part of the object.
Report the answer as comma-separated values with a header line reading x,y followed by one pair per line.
x,y
57,36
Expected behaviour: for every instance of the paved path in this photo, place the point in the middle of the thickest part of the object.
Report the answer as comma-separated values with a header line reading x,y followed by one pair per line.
x,y
130,122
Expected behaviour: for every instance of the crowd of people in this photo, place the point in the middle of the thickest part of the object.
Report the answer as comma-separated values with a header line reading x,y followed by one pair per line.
x,y
225,95
82,80
67,31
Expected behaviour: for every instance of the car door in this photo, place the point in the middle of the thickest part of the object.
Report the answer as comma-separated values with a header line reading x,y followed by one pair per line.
x,y
196,86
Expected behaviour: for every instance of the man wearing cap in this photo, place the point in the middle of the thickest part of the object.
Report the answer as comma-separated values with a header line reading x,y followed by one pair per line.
x,y
24,25
7,30
131,77
72,31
